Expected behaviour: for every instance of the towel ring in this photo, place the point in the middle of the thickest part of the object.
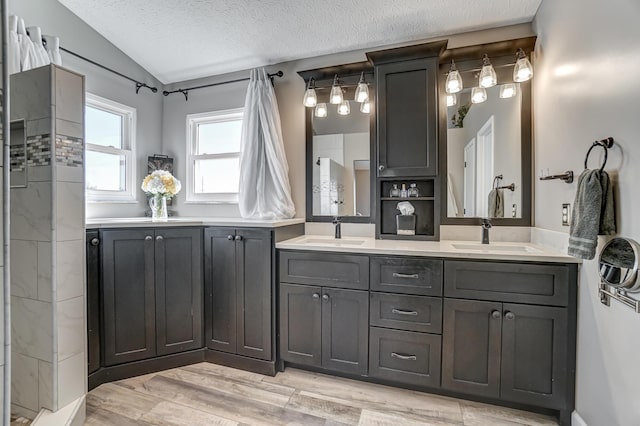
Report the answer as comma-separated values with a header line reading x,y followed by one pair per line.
x,y
605,144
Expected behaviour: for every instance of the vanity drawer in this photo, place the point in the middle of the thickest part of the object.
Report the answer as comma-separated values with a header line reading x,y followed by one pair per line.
x,y
406,275
508,282
325,269
405,356
415,313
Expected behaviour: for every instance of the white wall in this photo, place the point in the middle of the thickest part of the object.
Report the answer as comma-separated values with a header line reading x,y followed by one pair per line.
x,y
587,87
77,36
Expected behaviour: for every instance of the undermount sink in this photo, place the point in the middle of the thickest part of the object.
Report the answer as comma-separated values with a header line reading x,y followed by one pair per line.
x,y
496,247
332,242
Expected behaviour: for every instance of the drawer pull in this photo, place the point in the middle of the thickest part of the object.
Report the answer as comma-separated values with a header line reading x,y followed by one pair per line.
x,y
403,312
411,276
405,357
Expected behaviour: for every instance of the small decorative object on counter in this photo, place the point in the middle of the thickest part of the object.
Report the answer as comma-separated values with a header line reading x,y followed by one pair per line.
x,y
160,186
403,191
406,221
395,192
413,190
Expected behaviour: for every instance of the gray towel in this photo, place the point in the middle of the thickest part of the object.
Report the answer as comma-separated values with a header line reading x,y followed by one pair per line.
x,y
593,213
496,203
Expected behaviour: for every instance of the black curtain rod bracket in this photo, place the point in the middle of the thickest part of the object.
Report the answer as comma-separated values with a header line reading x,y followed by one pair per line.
x,y
186,91
139,85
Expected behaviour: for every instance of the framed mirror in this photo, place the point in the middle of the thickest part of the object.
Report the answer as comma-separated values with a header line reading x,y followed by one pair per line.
x,y
485,147
339,148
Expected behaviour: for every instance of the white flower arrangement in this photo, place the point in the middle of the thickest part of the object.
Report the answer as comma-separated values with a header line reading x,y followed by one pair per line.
x,y
161,183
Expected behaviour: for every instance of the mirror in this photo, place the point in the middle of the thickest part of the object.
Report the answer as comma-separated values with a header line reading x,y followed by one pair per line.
x,y
18,154
618,264
339,149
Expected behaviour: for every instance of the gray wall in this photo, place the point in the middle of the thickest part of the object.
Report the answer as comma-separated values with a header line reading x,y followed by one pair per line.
x,y
586,87
78,37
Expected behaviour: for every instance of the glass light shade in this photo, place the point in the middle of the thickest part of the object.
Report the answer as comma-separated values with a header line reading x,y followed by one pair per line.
x,y
335,97
478,95
523,70
362,92
452,99
365,107
454,81
321,110
488,77
508,90
344,108
310,98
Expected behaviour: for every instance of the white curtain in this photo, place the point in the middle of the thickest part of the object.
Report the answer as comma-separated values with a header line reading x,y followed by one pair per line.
x,y
265,192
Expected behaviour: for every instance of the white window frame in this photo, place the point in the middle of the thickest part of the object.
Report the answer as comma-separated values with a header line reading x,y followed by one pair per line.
x,y
193,120
128,150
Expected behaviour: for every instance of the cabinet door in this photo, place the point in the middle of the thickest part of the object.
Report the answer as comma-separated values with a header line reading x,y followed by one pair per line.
x,y
93,300
300,324
534,355
220,284
253,293
345,330
178,266
128,295
407,118
471,347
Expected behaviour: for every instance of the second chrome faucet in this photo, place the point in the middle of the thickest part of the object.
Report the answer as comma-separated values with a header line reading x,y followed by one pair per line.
x,y
336,222
486,225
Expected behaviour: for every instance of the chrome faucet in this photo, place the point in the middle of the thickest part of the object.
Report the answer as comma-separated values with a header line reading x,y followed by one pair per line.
x,y
486,225
336,222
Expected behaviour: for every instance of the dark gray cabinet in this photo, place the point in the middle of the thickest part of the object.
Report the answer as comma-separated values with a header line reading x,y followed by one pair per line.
x,y
150,308
238,308
324,327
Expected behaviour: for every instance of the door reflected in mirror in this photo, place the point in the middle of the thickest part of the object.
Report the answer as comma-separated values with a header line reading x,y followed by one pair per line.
x,y
484,156
341,163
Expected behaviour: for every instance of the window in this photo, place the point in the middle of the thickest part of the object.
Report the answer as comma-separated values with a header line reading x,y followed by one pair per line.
x,y
213,150
110,146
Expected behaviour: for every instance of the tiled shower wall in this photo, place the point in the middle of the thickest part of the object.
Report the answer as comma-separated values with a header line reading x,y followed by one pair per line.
x,y
47,243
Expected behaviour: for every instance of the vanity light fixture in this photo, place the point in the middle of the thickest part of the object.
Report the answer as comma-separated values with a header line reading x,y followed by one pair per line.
x,y
454,80
310,97
321,110
523,71
478,95
488,77
452,99
362,91
335,97
344,108
508,90
365,107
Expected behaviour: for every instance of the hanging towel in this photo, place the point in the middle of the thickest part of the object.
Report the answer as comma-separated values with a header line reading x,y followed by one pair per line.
x,y
496,203
593,213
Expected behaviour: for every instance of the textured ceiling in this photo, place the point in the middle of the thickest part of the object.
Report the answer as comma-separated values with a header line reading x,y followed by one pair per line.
x,y
178,40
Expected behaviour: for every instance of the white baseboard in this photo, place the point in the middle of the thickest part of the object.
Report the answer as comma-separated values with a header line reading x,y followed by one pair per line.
x,y
576,420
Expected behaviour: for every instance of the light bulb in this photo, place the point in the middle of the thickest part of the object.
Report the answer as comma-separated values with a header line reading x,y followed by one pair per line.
x,y
321,110
488,77
523,70
335,97
344,108
365,107
454,80
478,95
362,91
310,97
452,99
508,90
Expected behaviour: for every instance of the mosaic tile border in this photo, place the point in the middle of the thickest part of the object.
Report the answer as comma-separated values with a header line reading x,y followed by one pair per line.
x,y
69,151
39,150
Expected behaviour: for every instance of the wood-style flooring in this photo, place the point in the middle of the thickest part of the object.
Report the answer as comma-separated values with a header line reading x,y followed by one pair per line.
x,y
208,394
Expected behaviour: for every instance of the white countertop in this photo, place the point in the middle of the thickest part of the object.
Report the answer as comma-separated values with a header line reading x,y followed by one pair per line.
x,y
133,222
444,249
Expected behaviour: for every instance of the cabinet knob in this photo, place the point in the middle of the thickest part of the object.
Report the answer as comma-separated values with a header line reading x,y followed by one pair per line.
x,y
509,315
316,296
230,237
381,167
94,241
325,297
495,314
148,238
238,237
159,238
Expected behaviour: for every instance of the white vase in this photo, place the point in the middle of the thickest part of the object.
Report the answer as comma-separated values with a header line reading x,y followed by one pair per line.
x,y
40,54
158,206
27,54
14,46
53,48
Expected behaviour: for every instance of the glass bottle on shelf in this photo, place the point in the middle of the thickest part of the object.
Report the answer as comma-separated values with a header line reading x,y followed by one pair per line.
x,y
395,192
413,190
403,191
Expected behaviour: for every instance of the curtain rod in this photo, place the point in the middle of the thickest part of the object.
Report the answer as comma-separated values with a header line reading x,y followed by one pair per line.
x,y
139,85
185,92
